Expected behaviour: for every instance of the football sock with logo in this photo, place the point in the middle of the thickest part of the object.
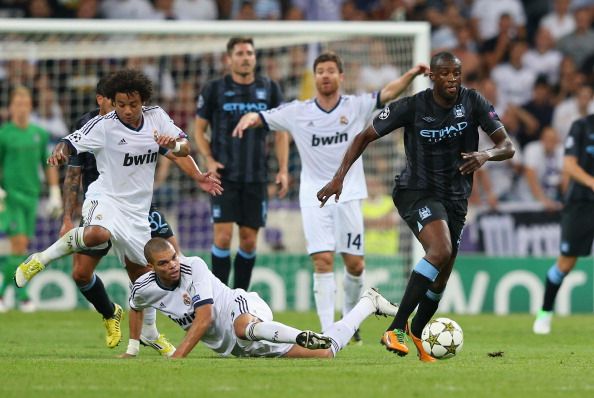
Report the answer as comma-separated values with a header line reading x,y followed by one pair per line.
x,y
423,274
427,308
342,331
149,327
221,263
275,332
242,269
353,286
72,241
324,287
96,294
554,280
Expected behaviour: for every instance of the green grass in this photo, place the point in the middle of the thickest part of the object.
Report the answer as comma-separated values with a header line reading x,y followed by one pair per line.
x,y
62,354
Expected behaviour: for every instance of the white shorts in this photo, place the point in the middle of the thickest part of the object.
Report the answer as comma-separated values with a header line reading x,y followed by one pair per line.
x,y
335,227
253,304
129,230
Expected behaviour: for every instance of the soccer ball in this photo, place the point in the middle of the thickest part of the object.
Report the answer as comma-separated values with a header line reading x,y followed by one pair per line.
x,y
442,338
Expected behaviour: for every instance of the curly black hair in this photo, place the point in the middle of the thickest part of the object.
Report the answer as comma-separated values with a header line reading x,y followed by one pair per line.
x,y
129,81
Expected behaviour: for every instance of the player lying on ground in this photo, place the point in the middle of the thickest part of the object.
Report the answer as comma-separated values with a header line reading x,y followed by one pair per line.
x,y
231,321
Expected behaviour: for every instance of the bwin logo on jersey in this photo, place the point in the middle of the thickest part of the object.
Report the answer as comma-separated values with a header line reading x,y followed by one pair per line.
x,y
424,212
459,110
185,320
335,139
136,160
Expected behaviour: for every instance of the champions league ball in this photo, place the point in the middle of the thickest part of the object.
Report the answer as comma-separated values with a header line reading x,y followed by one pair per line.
x,y
442,338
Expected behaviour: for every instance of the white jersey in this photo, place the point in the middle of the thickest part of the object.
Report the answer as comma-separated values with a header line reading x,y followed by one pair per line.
x,y
126,157
322,138
197,286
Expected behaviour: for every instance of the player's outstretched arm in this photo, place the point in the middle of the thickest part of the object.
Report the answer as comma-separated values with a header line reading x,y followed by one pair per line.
x,y
396,87
202,321
334,187
179,146
206,181
70,193
503,149
247,121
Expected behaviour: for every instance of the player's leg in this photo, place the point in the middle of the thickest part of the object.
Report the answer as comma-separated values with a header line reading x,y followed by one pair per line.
x,y
94,235
90,284
22,225
577,236
18,253
160,228
349,232
427,217
321,245
224,213
254,209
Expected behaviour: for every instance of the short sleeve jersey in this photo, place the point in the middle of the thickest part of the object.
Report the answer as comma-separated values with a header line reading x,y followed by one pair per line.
x,y
322,138
222,102
126,157
580,143
435,137
197,287
22,153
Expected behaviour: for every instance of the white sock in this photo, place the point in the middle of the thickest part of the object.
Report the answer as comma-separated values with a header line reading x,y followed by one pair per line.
x,y
342,331
275,332
353,287
324,287
71,242
149,327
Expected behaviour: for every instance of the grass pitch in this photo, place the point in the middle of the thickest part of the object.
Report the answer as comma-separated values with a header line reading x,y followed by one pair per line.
x,y
62,354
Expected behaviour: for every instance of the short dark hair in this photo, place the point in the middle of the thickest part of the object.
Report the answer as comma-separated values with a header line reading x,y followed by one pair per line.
x,y
100,89
129,81
443,56
238,40
155,245
328,56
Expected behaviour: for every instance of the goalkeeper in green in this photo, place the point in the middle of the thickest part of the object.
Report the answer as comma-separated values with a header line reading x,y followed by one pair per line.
x,y
23,151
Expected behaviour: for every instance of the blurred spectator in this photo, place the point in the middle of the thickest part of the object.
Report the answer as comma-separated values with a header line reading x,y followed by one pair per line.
x,y
164,9
263,9
577,106
560,21
514,81
376,71
390,10
39,9
579,45
444,22
195,9
543,163
543,59
540,107
320,10
12,8
246,11
294,13
87,9
486,13
496,50
128,9
159,75
350,12
466,50
380,219
48,114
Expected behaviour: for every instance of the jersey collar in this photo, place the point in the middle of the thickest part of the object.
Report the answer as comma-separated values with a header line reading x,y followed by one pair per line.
x,y
130,127
162,286
331,110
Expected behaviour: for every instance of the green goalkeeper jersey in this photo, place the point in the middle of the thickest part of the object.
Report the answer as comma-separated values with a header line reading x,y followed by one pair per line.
x,y
22,152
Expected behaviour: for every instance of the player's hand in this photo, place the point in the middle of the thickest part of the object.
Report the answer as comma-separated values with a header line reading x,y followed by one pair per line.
x,y
54,202
421,69
59,156
282,179
210,184
247,121
67,225
472,162
334,187
213,167
164,140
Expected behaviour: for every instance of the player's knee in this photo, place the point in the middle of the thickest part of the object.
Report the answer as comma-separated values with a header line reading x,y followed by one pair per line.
x,y
439,254
96,235
82,276
323,262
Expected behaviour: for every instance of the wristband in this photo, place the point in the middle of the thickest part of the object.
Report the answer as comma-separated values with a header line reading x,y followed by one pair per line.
x,y
54,192
133,347
177,147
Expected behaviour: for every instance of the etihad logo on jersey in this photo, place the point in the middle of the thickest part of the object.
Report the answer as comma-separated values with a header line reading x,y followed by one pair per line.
x,y
137,160
333,139
185,320
444,133
244,107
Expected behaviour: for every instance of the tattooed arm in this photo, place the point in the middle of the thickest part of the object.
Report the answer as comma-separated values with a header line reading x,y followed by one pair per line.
x,y
70,194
